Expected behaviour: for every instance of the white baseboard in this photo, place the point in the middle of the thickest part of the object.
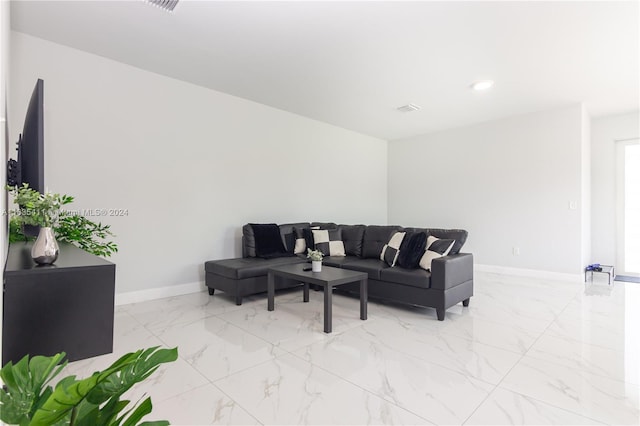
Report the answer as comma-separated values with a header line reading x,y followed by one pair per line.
x,y
158,293
196,287
530,273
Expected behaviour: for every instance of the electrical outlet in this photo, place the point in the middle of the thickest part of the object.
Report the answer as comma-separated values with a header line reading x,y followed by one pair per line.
x,y
573,205
516,251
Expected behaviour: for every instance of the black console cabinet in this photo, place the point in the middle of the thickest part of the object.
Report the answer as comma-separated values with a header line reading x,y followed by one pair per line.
x,y
66,307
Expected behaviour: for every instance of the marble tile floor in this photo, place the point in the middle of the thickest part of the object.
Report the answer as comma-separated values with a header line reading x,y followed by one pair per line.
x,y
526,351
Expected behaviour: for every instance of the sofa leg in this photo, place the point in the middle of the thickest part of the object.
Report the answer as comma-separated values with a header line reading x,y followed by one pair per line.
x,y
465,302
211,290
238,300
440,313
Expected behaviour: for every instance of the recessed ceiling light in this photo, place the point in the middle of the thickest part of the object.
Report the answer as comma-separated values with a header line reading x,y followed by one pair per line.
x,y
482,85
408,108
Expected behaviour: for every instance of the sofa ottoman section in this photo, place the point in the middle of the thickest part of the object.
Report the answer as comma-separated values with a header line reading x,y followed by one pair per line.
x,y
245,276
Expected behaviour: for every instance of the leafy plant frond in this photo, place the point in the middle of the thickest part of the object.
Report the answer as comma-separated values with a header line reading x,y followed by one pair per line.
x,y
27,380
87,235
95,401
44,210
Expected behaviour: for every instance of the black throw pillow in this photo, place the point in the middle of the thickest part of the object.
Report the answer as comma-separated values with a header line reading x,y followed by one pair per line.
x,y
307,234
268,241
411,250
290,242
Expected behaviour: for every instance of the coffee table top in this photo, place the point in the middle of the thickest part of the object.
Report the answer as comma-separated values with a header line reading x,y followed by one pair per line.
x,y
328,276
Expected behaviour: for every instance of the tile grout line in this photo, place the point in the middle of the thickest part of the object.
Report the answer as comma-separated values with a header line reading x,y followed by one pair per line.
x,y
518,363
355,384
209,381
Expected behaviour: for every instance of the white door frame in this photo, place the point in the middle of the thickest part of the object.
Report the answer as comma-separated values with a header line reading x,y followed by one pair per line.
x,y
620,203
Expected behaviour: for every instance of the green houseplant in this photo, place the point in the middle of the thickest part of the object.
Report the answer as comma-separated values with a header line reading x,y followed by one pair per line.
x,y
316,259
38,209
27,399
315,255
45,210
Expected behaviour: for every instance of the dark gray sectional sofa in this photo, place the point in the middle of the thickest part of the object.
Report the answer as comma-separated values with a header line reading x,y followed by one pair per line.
x,y
449,282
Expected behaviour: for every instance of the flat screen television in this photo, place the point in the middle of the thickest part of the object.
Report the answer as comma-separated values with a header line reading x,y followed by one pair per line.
x,y
29,168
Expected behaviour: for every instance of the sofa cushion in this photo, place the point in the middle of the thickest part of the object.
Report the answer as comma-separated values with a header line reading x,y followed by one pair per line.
x,y
247,267
249,240
329,242
411,277
300,232
370,266
324,225
435,248
269,242
412,249
460,235
300,246
375,237
391,250
307,235
337,261
288,232
352,237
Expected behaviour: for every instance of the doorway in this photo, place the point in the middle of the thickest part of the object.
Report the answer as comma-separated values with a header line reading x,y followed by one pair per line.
x,y
628,207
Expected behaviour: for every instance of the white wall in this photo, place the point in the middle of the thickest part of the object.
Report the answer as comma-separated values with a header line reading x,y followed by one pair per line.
x,y
604,132
190,165
508,182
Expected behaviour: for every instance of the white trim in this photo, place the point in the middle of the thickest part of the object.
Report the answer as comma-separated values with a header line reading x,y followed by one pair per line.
x,y
532,273
158,293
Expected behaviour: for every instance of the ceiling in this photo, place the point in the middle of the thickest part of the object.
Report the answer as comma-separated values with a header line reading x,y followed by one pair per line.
x,y
352,64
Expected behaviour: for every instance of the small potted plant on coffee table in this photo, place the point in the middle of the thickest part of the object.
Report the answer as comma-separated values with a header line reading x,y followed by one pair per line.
x,y
316,259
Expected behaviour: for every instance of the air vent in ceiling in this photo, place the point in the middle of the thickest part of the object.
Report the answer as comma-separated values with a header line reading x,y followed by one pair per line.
x,y
167,5
408,108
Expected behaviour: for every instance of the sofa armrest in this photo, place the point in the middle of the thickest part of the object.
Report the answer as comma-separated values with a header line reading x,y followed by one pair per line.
x,y
450,271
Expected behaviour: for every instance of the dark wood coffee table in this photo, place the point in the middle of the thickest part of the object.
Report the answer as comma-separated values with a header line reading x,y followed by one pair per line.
x,y
328,278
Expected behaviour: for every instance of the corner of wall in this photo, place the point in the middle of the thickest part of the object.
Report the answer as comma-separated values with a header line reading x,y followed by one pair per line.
x,y
585,167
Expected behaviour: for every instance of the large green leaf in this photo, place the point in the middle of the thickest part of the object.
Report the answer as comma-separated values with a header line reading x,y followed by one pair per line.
x,y
25,386
94,401
101,386
147,363
141,410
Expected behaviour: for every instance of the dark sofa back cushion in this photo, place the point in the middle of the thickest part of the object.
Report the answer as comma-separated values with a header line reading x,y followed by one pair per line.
x,y
287,230
460,235
352,236
375,237
325,225
249,241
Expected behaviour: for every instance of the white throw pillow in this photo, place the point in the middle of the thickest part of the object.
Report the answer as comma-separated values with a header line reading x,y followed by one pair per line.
x,y
391,250
435,248
329,242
